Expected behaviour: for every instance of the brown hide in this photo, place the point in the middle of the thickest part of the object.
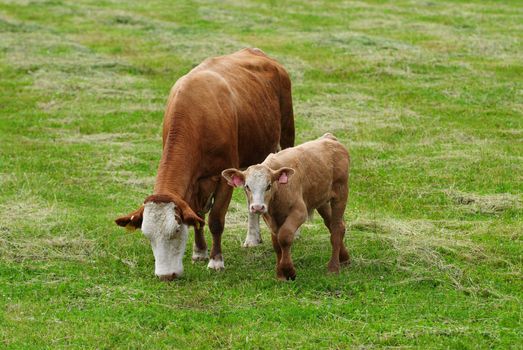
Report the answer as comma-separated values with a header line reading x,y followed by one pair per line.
x,y
229,111
320,172
294,182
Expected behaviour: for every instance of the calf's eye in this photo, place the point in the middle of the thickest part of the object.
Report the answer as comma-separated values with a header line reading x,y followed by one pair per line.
x,y
247,187
268,187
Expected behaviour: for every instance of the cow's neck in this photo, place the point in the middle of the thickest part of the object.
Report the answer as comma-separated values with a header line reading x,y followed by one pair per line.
x,y
179,163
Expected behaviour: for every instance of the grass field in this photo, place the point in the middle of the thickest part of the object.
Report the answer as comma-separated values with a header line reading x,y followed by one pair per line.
x,y
427,95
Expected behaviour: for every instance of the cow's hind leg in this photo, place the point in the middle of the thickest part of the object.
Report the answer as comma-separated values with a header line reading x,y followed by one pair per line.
x,y
199,249
222,199
253,234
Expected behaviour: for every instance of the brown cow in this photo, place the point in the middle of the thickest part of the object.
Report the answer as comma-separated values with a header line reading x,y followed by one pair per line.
x,y
229,111
289,185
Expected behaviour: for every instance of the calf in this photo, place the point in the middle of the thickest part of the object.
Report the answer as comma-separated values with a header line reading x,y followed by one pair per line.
x,y
289,185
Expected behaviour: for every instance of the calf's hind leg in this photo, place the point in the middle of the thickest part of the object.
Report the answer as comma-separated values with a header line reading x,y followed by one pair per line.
x,y
332,214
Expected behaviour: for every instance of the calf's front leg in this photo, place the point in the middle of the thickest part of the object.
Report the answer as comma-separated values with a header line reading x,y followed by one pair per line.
x,y
285,268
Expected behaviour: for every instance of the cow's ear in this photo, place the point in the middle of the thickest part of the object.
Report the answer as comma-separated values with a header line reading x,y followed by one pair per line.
x,y
282,175
131,221
234,177
188,216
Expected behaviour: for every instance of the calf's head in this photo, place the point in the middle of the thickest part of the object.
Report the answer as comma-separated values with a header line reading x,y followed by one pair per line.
x,y
165,221
258,182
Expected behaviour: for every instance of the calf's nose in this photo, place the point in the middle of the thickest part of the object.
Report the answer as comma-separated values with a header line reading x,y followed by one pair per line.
x,y
167,278
258,208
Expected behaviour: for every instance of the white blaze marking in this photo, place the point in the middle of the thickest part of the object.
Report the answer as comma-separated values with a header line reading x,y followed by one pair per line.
x,y
168,238
258,182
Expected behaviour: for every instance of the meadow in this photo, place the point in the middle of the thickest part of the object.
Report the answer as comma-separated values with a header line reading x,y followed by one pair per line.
x,y
427,95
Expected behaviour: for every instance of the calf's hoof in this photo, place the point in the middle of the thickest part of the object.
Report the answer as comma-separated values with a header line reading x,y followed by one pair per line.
x,y
216,264
286,273
283,278
344,258
333,267
249,243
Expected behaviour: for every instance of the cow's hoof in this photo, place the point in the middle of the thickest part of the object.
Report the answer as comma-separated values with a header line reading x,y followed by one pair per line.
x,y
249,243
200,255
216,264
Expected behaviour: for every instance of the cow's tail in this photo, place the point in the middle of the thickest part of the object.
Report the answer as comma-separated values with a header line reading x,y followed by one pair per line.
x,y
287,114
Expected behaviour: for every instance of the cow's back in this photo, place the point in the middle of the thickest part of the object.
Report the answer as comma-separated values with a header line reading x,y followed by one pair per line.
x,y
254,84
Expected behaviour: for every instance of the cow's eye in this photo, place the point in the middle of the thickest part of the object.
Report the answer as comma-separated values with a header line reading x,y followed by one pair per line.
x,y
268,187
247,187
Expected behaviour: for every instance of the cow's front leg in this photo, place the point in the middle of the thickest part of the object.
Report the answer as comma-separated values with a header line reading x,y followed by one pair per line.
x,y
199,248
222,199
253,234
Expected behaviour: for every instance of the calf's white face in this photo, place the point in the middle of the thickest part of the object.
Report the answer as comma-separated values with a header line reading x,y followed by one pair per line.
x,y
258,181
258,184
168,238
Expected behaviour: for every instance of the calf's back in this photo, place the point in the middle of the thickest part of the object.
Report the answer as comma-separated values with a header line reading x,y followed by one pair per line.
x,y
321,170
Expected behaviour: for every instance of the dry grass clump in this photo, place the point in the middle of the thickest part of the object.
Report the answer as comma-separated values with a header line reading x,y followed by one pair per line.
x,y
74,71
485,204
350,112
237,215
65,247
420,247
145,183
115,139
40,217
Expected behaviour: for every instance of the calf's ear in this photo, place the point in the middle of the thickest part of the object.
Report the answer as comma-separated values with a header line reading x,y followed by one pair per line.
x,y
131,221
234,177
282,175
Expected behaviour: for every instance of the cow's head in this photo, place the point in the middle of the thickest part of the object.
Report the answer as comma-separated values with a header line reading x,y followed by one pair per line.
x,y
258,182
165,220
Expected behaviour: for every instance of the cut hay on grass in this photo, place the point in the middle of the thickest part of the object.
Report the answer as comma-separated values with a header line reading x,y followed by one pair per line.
x,y
427,96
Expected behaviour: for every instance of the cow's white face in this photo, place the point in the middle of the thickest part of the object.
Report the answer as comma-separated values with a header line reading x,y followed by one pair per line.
x,y
168,238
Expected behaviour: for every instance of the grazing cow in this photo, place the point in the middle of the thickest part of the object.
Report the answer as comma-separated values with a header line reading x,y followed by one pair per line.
x,y
289,185
229,111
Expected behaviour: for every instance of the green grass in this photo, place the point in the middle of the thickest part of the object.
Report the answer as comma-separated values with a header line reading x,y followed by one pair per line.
x,y
427,95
